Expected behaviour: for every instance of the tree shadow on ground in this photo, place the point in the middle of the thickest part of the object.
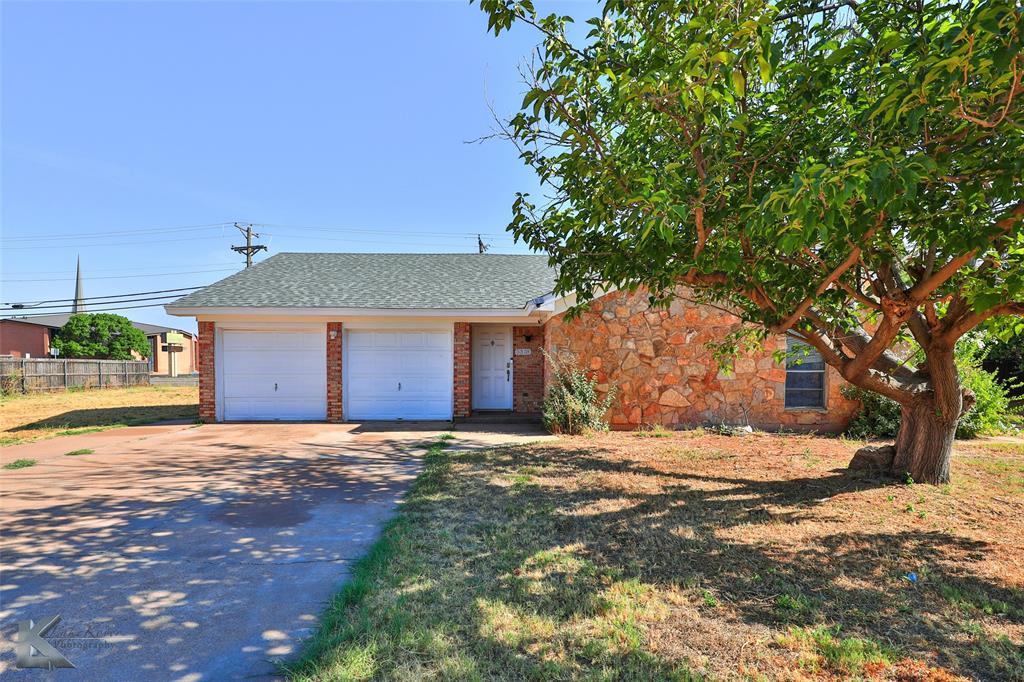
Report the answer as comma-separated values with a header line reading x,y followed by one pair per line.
x,y
113,416
180,558
533,539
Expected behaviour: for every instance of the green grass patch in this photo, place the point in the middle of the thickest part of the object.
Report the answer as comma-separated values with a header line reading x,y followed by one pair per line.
x,y
80,451
974,601
467,583
20,464
1009,472
823,648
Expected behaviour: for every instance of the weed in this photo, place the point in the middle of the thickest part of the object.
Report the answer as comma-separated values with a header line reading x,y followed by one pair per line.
x,y
844,655
20,464
793,604
81,451
653,431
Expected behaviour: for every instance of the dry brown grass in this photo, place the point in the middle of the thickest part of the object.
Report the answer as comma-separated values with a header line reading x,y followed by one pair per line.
x,y
686,557
25,418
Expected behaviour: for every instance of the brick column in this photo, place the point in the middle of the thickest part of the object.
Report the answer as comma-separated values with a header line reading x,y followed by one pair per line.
x,y
463,383
334,404
207,373
528,370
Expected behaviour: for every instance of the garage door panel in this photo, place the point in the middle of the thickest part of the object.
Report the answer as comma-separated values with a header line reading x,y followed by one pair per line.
x,y
274,375
428,363
378,362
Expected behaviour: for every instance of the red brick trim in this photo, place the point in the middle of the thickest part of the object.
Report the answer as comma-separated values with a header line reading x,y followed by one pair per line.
x,y
207,373
462,381
334,394
528,370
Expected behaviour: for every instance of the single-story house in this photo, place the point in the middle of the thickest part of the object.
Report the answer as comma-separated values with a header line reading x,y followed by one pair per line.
x,y
30,337
352,337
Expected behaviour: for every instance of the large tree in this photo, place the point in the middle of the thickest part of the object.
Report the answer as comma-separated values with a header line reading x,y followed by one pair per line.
x,y
100,335
849,173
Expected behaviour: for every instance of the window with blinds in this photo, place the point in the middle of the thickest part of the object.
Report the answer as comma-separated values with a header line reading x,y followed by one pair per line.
x,y
805,376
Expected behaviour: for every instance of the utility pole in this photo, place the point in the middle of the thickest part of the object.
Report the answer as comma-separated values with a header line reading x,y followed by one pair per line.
x,y
249,249
481,247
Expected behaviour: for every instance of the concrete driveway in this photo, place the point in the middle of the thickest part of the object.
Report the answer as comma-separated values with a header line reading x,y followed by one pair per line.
x,y
195,553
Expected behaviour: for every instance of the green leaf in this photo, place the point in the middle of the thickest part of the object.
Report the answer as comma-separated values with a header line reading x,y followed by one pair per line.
x,y
738,82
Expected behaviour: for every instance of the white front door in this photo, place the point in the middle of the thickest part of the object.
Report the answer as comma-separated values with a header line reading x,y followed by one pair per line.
x,y
273,375
394,374
492,368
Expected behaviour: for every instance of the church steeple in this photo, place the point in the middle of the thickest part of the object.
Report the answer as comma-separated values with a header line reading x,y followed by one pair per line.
x,y
79,305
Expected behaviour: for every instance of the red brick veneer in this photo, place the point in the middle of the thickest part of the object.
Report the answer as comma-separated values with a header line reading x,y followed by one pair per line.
x,y
334,403
207,373
528,370
462,367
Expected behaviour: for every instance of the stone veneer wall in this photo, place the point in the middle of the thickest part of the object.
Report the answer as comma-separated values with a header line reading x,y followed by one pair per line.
x,y
664,374
528,370
207,373
335,412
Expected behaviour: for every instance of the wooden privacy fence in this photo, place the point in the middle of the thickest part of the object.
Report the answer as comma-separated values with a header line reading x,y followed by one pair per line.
x,y
24,375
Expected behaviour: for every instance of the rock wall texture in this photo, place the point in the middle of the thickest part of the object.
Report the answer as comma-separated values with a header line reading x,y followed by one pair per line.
x,y
663,373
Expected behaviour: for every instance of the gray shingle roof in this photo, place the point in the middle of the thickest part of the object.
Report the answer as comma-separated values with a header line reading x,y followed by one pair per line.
x,y
382,280
58,320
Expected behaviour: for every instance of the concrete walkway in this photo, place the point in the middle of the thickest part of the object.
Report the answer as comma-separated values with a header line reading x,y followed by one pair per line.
x,y
196,553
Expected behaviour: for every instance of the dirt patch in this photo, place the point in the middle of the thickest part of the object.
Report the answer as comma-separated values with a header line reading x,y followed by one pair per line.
x,y
25,418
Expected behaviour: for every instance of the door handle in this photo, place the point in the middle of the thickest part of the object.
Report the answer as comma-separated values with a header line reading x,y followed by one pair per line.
x,y
508,375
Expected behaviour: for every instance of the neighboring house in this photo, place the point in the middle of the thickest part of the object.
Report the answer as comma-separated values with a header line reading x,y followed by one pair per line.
x,y
21,338
24,337
342,336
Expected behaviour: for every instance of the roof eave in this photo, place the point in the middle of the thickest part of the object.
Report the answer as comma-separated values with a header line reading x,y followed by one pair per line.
x,y
525,313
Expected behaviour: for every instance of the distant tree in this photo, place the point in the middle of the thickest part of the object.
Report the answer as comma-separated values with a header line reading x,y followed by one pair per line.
x,y
100,335
848,173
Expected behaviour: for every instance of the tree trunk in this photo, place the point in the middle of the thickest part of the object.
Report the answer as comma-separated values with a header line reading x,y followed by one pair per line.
x,y
924,443
928,424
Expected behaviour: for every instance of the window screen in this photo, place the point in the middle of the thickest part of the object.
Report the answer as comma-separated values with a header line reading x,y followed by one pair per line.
x,y
805,376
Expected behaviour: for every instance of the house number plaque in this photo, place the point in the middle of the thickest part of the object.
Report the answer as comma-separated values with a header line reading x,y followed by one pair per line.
x,y
524,351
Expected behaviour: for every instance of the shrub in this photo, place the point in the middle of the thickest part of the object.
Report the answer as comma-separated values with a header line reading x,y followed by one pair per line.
x,y
992,412
879,417
573,403
1005,357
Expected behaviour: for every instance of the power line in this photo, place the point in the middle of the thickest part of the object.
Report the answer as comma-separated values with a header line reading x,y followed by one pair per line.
x,y
384,231
85,246
94,310
383,236
381,230
66,305
108,233
138,293
64,271
148,274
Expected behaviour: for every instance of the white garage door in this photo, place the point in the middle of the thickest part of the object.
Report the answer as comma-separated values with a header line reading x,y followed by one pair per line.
x,y
398,374
274,375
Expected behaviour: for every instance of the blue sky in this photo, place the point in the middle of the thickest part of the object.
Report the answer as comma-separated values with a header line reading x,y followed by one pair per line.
x,y
130,129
